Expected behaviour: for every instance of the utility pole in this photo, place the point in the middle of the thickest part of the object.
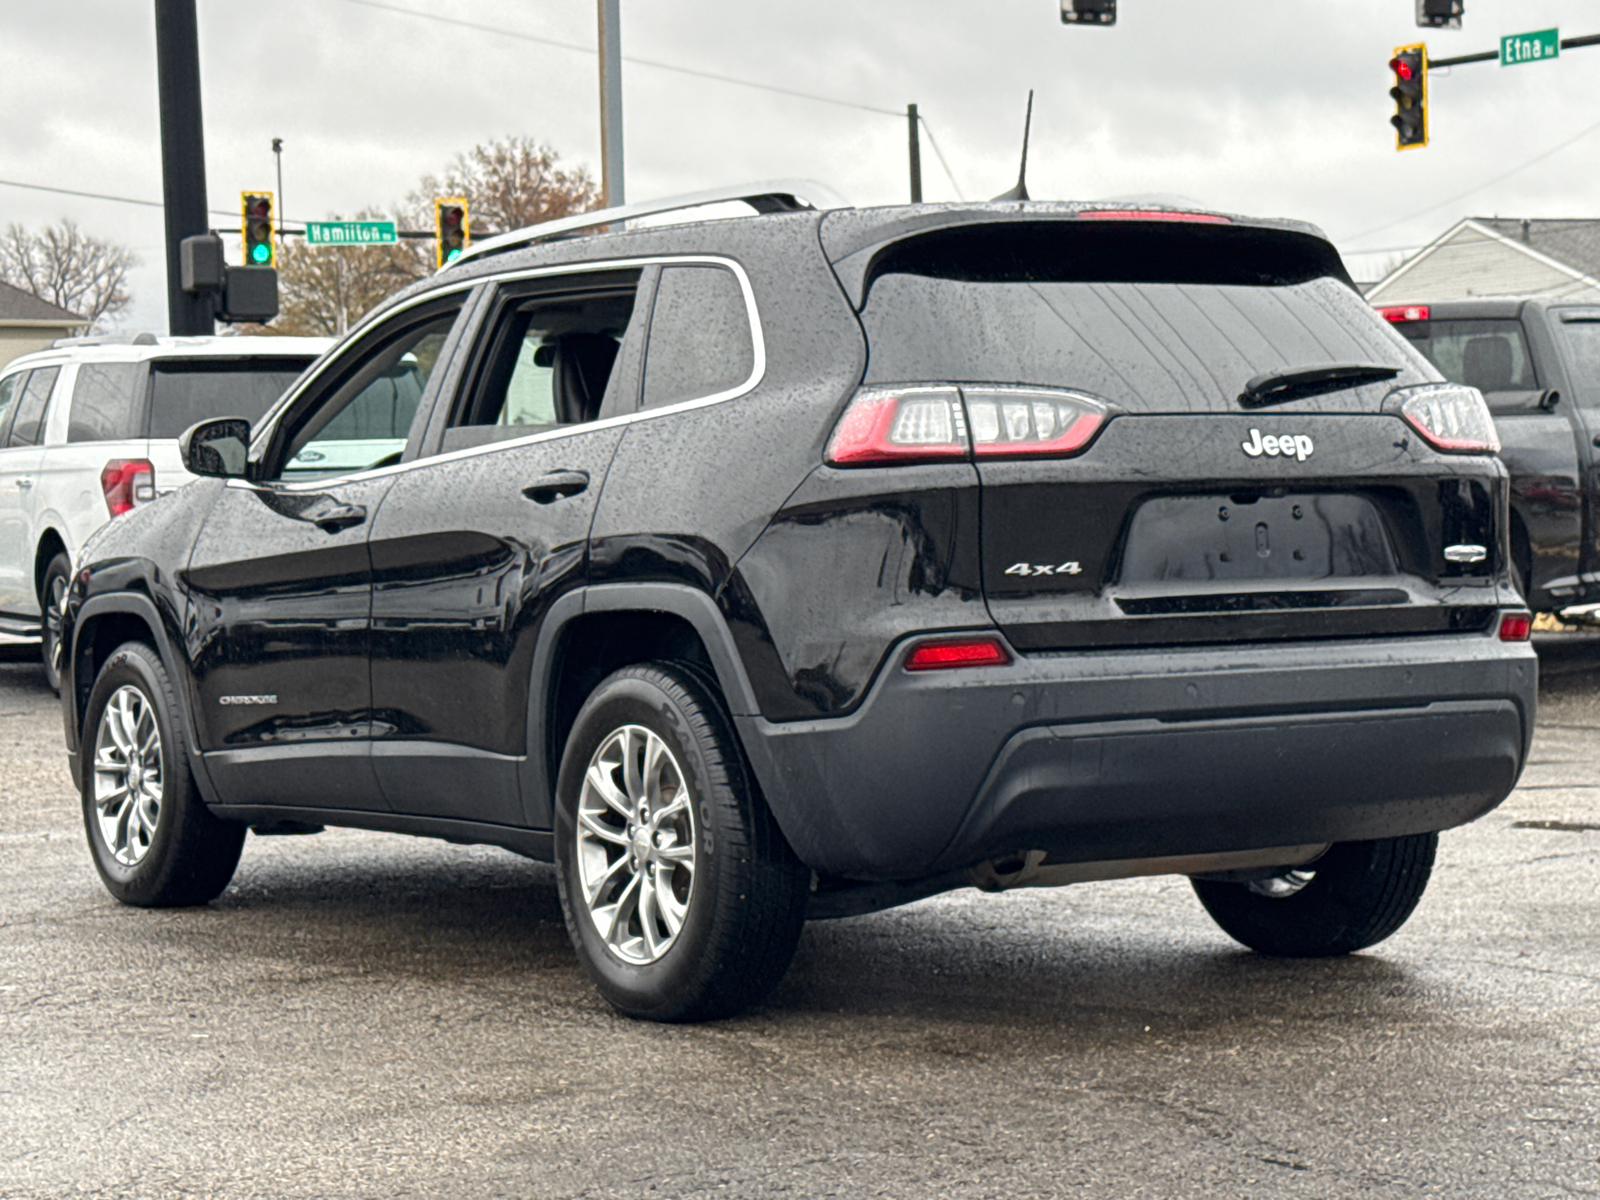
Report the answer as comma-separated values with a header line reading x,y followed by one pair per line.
x,y
277,153
916,154
612,192
183,156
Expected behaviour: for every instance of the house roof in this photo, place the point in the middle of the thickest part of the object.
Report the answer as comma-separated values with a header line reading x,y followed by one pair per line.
x,y
18,305
1575,243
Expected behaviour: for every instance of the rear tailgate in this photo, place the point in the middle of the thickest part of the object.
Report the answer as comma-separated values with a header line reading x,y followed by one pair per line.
x,y
1189,516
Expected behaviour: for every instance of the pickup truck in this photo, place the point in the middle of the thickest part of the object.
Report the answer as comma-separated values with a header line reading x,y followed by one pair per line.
x,y
1537,362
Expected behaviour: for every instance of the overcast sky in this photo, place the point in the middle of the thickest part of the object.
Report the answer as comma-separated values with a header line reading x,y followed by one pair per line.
x,y
1272,107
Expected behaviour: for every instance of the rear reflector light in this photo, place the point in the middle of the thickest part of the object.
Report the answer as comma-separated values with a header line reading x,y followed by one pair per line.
x,y
1516,626
127,482
987,651
912,424
1404,312
1451,418
1134,214
1031,421
930,423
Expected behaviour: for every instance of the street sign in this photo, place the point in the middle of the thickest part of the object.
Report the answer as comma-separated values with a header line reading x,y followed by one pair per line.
x,y
1530,47
350,233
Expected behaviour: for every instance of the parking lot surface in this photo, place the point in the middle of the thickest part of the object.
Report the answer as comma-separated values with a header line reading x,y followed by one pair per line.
x,y
371,1015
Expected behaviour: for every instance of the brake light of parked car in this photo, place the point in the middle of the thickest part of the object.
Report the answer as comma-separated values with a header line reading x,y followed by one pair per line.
x,y
127,483
1400,313
1031,422
942,653
1516,626
1135,214
1451,418
900,425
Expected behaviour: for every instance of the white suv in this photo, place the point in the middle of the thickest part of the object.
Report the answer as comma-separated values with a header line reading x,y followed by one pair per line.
x,y
89,429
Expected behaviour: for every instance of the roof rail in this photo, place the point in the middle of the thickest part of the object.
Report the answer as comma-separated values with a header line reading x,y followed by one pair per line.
x,y
106,339
776,195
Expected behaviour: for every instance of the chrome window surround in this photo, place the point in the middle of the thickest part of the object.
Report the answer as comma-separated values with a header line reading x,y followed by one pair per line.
x,y
758,367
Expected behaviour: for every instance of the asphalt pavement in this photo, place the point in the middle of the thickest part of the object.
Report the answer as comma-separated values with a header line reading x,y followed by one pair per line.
x,y
372,1015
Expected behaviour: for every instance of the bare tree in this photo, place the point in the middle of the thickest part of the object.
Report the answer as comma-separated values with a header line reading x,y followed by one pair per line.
x,y
507,184
68,268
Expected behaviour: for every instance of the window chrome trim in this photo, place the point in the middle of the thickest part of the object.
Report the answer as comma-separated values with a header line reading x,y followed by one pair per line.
x,y
758,367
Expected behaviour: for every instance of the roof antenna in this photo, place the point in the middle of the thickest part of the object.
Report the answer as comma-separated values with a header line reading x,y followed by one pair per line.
x,y
1020,192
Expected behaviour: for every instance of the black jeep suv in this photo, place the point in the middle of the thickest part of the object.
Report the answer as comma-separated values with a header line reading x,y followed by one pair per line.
x,y
806,563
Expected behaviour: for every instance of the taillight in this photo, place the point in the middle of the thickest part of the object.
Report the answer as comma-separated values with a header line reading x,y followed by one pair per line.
x,y
1030,421
940,653
1450,417
1400,313
1516,626
929,423
127,482
909,424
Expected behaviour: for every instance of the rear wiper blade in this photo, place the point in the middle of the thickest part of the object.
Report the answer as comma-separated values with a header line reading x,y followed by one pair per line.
x,y
1291,383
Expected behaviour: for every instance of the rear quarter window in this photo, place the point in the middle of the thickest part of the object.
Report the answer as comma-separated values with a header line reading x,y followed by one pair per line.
x,y
106,403
701,342
185,391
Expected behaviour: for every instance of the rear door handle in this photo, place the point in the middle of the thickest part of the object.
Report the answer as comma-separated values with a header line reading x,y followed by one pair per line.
x,y
342,517
557,485
24,483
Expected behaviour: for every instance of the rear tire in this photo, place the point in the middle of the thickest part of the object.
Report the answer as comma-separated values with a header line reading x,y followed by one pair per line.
x,y
153,840
51,591
681,896
1357,894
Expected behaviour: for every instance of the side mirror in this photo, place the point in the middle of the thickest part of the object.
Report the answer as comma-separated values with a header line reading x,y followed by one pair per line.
x,y
216,448
1550,399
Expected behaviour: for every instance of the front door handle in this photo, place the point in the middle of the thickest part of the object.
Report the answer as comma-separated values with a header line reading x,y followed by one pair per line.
x,y
24,483
557,485
341,517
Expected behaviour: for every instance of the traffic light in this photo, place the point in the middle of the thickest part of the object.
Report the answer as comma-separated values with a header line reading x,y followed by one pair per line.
x,y
450,228
1440,14
1088,12
256,226
1410,92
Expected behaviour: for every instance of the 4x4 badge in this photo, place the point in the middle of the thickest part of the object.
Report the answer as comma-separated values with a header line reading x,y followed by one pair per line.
x,y
1066,568
1289,445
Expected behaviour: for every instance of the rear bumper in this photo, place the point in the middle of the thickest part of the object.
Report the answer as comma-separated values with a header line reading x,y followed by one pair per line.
x,y
1132,754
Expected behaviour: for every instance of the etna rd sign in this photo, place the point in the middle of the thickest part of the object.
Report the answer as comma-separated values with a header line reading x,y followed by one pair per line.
x,y
1529,47
350,233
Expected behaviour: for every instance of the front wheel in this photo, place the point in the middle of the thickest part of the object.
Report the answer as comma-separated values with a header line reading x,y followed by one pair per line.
x,y
1354,896
683,899
154,842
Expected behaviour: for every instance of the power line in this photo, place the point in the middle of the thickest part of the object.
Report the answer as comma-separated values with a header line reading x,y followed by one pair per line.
x,y
1486,183
501,31
939,154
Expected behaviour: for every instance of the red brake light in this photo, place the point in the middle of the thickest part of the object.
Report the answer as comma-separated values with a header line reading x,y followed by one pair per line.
x,y
1516,626
1137,214
1399,313
127,482
909,424
986,651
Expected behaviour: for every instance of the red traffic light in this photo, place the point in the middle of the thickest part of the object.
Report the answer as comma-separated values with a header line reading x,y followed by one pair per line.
x,y
1401,68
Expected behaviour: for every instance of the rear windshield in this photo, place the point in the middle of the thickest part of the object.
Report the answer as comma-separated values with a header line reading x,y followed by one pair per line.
x,y
1146,346
182,393
1491,356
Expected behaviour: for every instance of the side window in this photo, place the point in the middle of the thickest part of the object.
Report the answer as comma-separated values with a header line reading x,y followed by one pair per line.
x,y
29,421
548,361
363,416
700,338
105,402
9,387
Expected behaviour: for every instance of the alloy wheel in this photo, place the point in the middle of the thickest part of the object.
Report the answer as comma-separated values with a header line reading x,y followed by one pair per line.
x,y
128,787
636,844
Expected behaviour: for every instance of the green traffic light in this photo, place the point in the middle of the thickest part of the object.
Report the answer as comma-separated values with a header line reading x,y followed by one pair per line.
x,y
452,255
261,252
